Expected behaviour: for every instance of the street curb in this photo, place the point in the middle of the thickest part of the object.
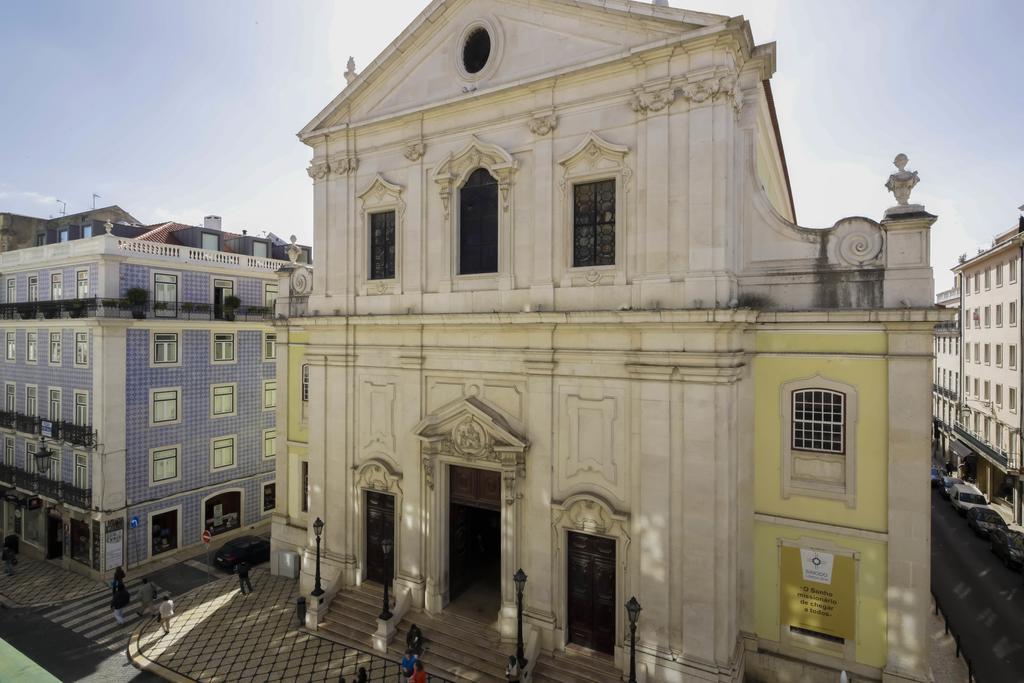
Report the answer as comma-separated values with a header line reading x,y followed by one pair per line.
x,y
144,663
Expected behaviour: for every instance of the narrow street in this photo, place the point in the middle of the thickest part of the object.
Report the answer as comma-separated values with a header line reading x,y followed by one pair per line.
x,y
984,601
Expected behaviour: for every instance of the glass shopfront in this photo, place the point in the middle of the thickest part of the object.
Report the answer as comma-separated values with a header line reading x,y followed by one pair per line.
x,y
164,534
80,541
223,512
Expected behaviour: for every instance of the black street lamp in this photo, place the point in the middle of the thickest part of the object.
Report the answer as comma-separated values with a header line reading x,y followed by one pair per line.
x,y
43,456
318,529
520,581
387,546
633,610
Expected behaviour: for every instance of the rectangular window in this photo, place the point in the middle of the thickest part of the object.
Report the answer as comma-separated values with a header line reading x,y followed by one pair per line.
x,y
999,395
9,397
999,275
165,348
988,355
53,470
211,241
55,348
593,224
819,421
12,285
988,394
977,352
269,395
11,346
223,452
9,451
305,382
64,235
30,457
999,315
304,502
259,249
270,295
82,471
81,348
31,342
223,398
988,278
164,464
81,408
56,286
977,282
382,245
1013,270
269,497
977,384
32,401
270,443
81,284
1013,313
269,346
54,405
33,288
988,316
164,406
223,347
1012,356
165,295
1011,398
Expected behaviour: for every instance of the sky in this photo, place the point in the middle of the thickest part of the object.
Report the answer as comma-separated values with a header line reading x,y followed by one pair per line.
x,y
176,110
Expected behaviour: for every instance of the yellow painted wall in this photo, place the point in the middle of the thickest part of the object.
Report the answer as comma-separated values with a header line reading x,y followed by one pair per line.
x,y
854,358
296,456
870,586
297,429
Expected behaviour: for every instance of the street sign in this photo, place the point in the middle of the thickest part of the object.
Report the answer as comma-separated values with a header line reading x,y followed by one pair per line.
x,y
207,536
134,523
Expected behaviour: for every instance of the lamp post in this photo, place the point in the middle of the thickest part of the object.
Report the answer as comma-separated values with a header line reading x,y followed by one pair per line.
x,y
318,529
633,610
387,546
43,456
520,581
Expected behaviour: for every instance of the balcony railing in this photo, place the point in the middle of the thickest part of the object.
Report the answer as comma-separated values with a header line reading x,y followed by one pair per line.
x,y
944,392
948,328
996,455
42,485
77,435
121,308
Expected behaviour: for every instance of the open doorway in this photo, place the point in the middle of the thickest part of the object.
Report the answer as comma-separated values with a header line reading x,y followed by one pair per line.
x,y
474,543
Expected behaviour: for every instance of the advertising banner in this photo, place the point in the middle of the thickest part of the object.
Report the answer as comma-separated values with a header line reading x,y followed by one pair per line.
x,y
817,592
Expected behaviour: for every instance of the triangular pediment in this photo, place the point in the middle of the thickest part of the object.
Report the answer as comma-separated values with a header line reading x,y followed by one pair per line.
x,y
472,426
530,38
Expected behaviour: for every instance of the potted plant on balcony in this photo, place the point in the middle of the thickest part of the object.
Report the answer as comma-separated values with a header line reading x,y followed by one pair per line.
x,y
186,308
50,309
28,310
231,304
137,298
203,309
76,308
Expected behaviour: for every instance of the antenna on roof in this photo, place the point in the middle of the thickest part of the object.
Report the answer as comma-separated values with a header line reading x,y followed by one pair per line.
x,y
64,207
94,198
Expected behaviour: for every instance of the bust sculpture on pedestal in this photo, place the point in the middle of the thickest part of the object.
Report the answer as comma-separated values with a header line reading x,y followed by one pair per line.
x,y
901,183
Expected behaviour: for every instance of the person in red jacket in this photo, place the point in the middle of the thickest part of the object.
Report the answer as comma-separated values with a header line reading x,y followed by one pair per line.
x,y
420,676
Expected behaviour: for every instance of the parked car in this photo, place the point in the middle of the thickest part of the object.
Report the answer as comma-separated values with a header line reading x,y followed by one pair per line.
x,y
251,549
964,497
1009,547
936,476
983,520
947,486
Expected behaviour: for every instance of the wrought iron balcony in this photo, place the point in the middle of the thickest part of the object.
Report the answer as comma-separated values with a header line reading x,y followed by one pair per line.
x,y
996,455
948,328
74,434
45,487
944,392
122,308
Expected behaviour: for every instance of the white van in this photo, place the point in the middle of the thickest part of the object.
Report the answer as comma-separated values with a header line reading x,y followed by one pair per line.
x,y
965,496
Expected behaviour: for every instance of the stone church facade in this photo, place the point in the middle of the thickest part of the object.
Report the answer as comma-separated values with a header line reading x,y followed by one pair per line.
x,y
562,319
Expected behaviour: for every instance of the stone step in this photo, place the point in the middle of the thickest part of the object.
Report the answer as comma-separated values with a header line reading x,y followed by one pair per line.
x,y
575,667
469,656
354,636
481,646
344,608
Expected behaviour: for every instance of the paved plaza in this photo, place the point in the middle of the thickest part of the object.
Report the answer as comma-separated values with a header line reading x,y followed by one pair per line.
x,y
38,583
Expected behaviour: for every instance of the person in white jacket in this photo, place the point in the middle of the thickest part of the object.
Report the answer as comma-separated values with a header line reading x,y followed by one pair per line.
x,y
166,612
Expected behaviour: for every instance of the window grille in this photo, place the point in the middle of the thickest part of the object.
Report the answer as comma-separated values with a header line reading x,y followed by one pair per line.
x,y
819,420
594,224
382,245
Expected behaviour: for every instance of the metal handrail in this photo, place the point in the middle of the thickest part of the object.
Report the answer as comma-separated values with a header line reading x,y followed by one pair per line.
x,y
42,485
96,307
956,636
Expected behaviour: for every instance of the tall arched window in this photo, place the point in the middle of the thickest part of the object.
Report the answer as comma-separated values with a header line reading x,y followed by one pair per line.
x,y
478,224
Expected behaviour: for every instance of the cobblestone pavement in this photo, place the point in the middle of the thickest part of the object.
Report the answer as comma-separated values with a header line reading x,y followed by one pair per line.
x,y
37,583
220,635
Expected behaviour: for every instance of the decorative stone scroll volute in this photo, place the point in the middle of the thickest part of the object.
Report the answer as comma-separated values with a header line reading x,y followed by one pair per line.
x,y
453,171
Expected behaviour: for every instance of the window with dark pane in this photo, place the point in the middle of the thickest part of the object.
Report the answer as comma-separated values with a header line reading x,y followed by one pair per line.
x,y
819,421
382,245
478,224
593,236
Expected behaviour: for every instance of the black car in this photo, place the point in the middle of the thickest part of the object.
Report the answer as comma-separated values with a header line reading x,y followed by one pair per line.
x,y
984,520
250,549
1008,547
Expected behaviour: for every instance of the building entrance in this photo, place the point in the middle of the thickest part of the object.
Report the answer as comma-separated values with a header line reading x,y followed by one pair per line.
x,y
474,542
54,538
380,527
591,591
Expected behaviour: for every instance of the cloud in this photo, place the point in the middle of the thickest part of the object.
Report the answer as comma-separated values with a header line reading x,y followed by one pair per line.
x,y
26,197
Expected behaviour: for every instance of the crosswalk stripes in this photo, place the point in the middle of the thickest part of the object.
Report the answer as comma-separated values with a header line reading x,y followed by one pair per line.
x,y
92,618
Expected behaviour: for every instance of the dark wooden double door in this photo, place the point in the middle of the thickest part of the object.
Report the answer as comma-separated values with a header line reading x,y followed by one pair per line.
x,y
591,592
474,531
380,527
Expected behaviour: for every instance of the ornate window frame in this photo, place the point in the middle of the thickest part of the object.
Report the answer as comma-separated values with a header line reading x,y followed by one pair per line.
x,y
377,473
595,159
813,473
378,197
450,175
497,37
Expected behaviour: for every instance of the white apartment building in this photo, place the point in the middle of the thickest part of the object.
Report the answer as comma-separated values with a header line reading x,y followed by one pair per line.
x,y
990,416
947,379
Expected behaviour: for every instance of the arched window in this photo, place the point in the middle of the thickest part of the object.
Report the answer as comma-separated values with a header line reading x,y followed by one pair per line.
x,y
305,382
478,224
819,421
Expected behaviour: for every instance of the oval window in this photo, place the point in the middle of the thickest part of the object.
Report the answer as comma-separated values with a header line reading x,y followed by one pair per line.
x,y
476,50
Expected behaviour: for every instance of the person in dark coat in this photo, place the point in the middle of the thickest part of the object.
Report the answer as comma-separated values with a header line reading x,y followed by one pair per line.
x,y
243,578
120,600
118,582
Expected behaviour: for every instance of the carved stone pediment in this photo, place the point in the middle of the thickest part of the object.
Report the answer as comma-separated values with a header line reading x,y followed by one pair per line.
x,y
470,428
454,170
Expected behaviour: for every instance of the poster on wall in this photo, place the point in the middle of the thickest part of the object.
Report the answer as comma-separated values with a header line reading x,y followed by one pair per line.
x,y
817,592
114,544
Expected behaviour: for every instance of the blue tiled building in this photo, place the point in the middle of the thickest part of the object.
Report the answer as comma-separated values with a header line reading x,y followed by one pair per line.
x,y
139,393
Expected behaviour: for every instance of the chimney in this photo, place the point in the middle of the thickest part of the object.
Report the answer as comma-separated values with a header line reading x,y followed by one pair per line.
x,y
211,222
244,233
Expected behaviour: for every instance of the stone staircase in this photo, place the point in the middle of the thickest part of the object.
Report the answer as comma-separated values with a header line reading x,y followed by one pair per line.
x,y
459,649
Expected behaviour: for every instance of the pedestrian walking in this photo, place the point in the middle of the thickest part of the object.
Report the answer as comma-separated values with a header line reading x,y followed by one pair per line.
x,y
243,577
166,612
420,676
147,595
408,664
120,600
362,677
9,560
118,582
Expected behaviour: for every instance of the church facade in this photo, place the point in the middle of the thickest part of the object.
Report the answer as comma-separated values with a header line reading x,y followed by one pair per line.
x,y
563,320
